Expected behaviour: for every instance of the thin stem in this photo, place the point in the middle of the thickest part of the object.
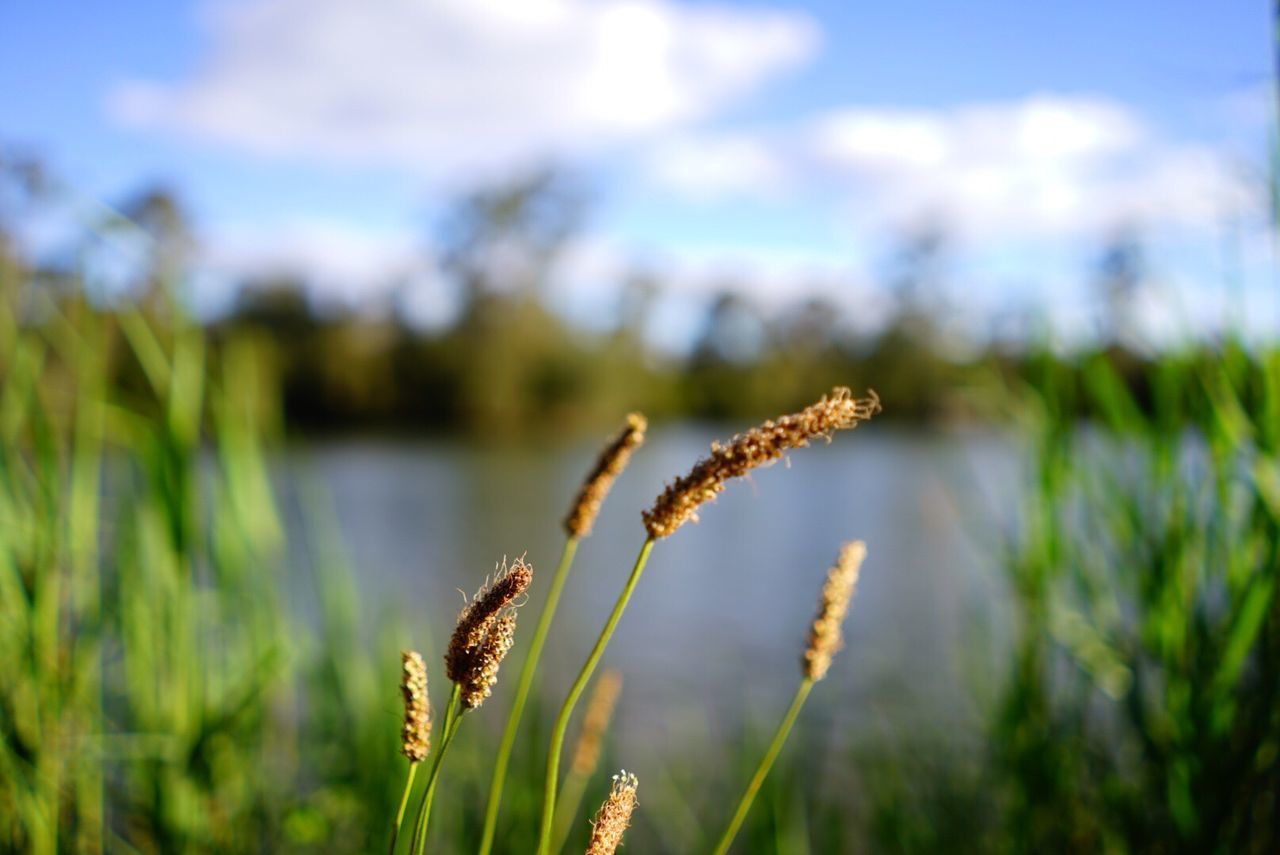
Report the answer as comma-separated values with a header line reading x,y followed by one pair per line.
x,y
404,802
431,783
566,711
527,673
567,805
766,763
451,717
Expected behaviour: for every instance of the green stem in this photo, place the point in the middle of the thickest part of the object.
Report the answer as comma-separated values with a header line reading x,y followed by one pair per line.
x,y
765,763
567,806
566,711
452,717
404,802
431,784
522,694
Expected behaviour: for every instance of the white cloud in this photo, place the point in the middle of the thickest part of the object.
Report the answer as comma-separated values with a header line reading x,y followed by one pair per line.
x,y
337,260
715,166
1037,167
468,85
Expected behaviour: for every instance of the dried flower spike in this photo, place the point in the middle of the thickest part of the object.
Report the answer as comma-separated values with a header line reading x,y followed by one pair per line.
x,y
613,459
416,733
757,447
596,722
477,616
482,672
614,815
825,638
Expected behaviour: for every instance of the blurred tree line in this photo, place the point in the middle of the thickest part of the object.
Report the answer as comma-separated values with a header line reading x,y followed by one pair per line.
x,y
508,365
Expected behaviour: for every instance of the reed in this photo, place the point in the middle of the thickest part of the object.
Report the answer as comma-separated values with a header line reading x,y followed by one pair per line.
x,y
614,816
677,505
578,523
825,639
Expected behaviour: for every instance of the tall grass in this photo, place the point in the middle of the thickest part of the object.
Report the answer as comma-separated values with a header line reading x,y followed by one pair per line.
x,y
1142,709
156,693
140,633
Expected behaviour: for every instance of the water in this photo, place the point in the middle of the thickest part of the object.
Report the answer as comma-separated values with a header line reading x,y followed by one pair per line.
x,y
716,627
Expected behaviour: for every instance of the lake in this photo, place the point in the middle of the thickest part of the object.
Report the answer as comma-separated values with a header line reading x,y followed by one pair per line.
x,y
718,622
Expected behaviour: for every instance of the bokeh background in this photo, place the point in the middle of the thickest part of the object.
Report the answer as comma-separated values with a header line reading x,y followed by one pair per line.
x,y
315,311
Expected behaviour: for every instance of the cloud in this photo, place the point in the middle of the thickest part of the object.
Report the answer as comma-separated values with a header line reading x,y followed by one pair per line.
x,y
709,167
339,261
1043,166
466,85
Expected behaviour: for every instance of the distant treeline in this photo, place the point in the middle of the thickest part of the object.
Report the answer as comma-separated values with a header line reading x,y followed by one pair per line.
x,y
514,368
509,366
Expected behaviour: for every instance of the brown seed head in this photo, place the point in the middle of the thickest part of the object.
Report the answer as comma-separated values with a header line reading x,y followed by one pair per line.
x,y
482,672
613,459
614,815
476,617
757,447
416,734
596,722
824,635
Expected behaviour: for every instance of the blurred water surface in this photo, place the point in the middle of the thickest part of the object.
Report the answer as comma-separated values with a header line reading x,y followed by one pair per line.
x,y
716,627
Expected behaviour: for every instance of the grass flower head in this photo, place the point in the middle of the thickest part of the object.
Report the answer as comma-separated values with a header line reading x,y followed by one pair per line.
x,y
760,446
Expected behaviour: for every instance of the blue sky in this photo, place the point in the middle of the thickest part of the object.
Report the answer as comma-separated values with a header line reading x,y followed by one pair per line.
x,y
785,147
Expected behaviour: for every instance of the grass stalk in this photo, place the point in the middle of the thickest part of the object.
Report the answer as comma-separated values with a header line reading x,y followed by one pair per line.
x,y
586,756
404,802
453,715
575,787
575,692
757,780
527,674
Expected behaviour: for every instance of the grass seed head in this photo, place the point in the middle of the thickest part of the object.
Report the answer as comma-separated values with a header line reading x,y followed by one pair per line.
x,y
825,637
416,734
614,815
760,446
482,671
586,754
609,465
476,617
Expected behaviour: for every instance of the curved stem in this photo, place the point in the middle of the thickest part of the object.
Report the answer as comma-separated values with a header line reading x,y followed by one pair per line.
x,y
522,694
451,718
766,762
404,802
575,692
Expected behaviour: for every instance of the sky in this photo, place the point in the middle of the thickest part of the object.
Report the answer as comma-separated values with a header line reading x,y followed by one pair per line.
x,y
783,149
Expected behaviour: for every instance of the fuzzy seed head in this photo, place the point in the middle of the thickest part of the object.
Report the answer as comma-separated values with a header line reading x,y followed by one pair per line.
x,y
476,618
825,637
416,734
758,447
482,672
614,815
596,723
613,459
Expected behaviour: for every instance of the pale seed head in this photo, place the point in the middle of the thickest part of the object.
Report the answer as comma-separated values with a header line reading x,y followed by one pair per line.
x,y
825,637
760,446
416,734
614,815
609,465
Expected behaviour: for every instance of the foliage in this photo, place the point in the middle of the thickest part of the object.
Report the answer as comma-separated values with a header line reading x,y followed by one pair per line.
x,y
1142,710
